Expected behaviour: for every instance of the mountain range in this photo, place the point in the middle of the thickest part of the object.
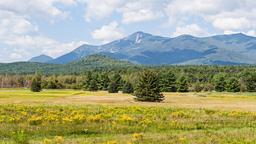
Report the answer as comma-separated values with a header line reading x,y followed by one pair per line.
x,y
148,49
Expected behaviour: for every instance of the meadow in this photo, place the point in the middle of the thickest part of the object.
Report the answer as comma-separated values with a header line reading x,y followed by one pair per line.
x,y
74,116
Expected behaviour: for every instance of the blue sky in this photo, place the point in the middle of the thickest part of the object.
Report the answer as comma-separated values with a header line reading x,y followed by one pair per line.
x,y
54,27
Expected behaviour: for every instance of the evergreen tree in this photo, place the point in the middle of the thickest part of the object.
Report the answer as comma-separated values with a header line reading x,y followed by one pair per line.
x,y
232,85
148,88
219,82
182,84
118,80
104,81
251,82
127,88
36,83
93,85
113,87
87,81
168,82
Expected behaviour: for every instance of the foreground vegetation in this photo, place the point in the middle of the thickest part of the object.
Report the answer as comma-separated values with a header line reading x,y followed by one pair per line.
x,y
124,124
76,116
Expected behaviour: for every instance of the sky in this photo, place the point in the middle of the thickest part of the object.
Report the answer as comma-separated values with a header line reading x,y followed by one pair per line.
x,y
55,27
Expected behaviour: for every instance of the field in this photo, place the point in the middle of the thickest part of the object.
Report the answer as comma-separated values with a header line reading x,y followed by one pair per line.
x,y
72,116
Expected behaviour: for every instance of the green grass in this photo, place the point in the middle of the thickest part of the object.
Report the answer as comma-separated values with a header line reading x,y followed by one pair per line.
x,y
73,116
96,123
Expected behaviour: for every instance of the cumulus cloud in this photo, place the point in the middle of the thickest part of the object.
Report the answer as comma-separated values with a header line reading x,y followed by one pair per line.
x,y
35,8
19,35
192,29
231,23
25,47
108,32
100,8
14,24
140,11
228,15
132,11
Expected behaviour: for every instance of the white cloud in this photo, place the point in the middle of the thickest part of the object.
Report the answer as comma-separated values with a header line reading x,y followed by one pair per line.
x,y
35,8
140,11
132,11
25,47
139,16
251,33
192,29
108,32
14,24
231,23
20,38
225,15
97,9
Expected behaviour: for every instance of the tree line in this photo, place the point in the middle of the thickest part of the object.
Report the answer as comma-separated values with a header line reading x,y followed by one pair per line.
x,y
171,79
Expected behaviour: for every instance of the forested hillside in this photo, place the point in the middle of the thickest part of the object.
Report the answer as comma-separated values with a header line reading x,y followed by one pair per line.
x,y
92,62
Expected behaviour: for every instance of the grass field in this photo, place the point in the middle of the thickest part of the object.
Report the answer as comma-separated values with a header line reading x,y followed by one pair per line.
x,y
72,116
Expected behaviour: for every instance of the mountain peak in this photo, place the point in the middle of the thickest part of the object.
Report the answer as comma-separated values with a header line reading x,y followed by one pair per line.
x,y
41,58
137,37
141,33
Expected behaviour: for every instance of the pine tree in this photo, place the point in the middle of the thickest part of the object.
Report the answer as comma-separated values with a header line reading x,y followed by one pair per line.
x,y
148,88
113,87
182,84
251,82
219,82
118,80
93,85
87,81
127,88
168,82
36,83
232,85
104,81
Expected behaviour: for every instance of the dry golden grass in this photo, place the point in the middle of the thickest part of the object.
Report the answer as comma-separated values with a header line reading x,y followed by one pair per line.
x,y
228,101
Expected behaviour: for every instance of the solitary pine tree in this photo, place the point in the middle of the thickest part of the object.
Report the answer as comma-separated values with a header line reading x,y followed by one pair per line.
x,y
232,85
36,83
182,84
148,88
127,88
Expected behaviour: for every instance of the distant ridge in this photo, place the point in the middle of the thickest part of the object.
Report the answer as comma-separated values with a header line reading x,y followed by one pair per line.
x,y
148,49
41,59
88,63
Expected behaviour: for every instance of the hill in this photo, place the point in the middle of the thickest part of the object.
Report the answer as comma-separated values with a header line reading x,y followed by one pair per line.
x,y
144,48
91,62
